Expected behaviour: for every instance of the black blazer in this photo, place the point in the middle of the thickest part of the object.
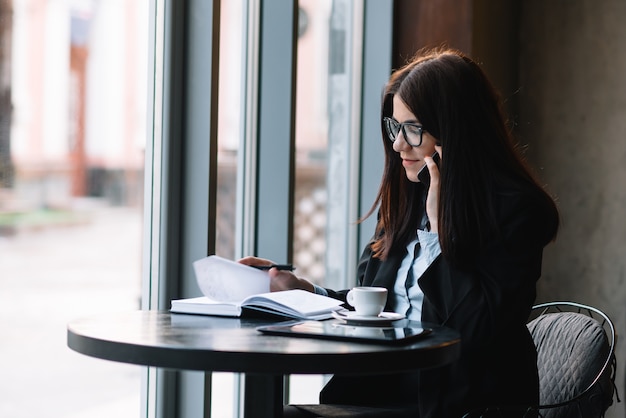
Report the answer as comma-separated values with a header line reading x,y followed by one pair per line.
x,y
488,303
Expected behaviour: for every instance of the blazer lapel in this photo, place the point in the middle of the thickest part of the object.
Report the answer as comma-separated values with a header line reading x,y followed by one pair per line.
x,y
383,273
442,295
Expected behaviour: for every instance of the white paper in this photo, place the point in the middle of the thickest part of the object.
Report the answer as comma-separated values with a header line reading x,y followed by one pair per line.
x,y
297,301
225,280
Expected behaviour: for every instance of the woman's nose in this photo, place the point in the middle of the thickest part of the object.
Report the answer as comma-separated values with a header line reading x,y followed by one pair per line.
x,y
400,143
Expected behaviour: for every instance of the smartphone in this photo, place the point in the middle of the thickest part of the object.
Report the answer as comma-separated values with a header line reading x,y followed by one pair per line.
x,y
424,175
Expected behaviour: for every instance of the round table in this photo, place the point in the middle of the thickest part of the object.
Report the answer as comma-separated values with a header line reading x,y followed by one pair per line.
x,y
221,344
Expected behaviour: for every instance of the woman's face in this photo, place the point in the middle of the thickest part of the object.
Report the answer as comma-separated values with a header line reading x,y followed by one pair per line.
x,y
412,157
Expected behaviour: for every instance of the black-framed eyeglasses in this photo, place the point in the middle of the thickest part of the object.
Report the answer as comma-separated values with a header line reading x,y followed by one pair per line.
x,y
412,131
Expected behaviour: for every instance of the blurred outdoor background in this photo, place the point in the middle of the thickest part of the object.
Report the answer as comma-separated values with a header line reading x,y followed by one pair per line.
x,y
74,112
73,122
73,79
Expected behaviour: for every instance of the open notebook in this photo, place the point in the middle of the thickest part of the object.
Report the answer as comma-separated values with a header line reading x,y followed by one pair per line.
x,y
229,288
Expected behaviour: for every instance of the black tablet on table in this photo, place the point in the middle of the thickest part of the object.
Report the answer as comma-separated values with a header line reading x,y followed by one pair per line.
x,y
332,330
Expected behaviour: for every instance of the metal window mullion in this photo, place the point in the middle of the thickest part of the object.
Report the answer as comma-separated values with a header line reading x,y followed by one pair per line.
x,y
275,143
356,92
199,181
248,150
276,129
152,188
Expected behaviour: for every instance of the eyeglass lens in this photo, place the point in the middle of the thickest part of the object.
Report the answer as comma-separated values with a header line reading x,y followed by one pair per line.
x,y
411,131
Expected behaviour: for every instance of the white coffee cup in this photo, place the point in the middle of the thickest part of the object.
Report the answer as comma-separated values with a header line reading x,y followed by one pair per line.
x,y
367,301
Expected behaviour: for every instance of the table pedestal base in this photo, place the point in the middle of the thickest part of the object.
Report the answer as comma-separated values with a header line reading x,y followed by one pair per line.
x,y
263,395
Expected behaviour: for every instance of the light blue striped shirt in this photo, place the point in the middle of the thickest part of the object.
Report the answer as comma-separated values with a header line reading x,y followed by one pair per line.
x,y
409,300
413,297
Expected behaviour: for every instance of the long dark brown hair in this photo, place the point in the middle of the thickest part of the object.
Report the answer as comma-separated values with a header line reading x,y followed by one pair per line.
x,y
455,102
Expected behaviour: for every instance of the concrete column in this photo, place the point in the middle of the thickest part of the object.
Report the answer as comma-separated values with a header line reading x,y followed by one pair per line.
x,y
573,116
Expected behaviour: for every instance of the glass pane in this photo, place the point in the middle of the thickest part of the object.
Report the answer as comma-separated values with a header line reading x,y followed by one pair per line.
x,y
327,101
312,125
229,123
73,79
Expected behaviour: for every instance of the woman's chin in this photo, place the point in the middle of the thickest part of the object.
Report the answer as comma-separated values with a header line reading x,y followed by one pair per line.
x,y
412,176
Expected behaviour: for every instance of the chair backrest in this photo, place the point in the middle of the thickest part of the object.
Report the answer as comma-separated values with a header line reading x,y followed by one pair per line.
x,y
575,357
576,362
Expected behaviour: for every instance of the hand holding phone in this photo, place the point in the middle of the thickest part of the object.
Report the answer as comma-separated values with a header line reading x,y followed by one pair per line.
x,y
424,175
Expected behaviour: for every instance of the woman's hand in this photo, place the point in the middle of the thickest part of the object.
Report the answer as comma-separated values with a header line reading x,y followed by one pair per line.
x,y
432,200
279,279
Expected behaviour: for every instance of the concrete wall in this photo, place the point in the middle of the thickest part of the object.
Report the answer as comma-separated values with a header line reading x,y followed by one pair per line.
x,y
560,65
573,116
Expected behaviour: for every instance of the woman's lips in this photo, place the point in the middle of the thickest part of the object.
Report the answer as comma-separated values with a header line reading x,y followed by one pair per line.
x,y
409,163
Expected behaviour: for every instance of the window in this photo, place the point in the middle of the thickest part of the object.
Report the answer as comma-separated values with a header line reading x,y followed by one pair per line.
x,y
72,138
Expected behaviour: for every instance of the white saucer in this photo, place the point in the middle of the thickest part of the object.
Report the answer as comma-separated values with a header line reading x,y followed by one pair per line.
x,y
352,317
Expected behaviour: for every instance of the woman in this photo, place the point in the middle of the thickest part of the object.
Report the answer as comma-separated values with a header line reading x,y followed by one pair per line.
x,y
480,226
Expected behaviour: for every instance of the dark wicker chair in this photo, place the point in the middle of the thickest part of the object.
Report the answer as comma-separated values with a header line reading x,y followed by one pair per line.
x,y
576,360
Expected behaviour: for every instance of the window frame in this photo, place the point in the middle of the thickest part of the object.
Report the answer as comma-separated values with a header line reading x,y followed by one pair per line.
x,y
181,155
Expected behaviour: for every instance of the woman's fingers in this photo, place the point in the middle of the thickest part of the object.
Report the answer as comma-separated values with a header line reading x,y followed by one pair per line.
x,y
279,279
255,261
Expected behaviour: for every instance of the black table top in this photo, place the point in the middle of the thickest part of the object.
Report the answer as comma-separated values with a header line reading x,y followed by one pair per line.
x,y
209,343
